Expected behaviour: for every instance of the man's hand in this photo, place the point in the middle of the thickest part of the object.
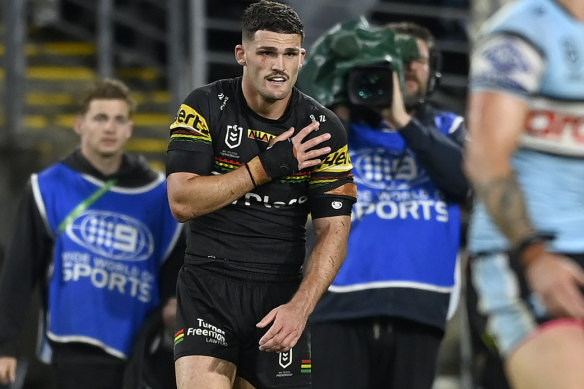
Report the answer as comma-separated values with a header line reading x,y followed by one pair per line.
x,y
396,115
288,322
7,370
287,155
557,280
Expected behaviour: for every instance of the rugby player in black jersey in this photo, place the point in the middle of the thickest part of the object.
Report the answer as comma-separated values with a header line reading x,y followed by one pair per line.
x,y
248,160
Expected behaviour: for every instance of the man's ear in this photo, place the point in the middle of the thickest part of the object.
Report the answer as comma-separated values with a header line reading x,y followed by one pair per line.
x,y
240,55
131,132
302,56
77,124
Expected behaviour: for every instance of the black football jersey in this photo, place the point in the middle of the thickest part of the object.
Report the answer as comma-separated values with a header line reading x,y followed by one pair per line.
x,y
215,132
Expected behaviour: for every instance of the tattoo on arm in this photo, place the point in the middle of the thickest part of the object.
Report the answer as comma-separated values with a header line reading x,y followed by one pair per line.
x,y
505,202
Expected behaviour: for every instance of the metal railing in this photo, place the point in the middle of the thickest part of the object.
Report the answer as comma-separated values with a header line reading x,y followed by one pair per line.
x,y
110,16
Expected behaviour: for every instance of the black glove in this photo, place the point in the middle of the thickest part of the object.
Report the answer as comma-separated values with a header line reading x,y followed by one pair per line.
x,y
279,160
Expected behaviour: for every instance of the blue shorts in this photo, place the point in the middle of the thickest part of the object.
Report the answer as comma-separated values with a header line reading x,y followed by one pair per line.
x,y
218,309
513,312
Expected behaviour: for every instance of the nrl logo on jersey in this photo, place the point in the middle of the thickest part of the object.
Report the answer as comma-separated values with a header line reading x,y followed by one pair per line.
x,y
285,359
233,136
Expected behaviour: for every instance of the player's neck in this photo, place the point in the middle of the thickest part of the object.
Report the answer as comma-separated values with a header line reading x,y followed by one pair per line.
x,y
270,109
575,7
106,164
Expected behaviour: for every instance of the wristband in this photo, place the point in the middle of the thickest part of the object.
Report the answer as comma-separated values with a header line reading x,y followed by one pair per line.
x,y
279,160
250,175
528,241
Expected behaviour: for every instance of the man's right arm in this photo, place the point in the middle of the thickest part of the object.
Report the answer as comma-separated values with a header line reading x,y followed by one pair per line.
x,y
191,195
488,160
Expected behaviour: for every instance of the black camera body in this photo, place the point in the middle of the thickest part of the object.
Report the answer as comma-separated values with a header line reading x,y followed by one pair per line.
x,y
370,85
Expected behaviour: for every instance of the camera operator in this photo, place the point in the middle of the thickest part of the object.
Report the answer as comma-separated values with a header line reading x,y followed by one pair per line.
x,y
381,322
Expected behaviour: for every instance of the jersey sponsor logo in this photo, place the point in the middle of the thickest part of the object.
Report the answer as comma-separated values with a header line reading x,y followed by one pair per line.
x,y
189,118
233,136
555,126
112,235
337,161
209,332
260,135
253,198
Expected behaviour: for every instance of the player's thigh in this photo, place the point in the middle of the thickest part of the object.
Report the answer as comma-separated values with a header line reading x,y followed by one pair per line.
x,y
552,357
241,383
203,372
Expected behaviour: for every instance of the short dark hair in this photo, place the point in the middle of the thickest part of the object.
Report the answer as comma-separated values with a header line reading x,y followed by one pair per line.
x,y
106,89
270,16
415,30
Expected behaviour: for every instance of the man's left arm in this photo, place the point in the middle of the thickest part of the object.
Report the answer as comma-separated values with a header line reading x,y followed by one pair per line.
x,y
331,193
440,154
289,320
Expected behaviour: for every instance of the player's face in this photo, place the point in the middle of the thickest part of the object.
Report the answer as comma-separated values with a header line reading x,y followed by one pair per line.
x,y
105,127
271,64
417,73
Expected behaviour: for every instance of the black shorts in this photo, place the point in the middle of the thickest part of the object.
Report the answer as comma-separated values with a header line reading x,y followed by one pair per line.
x,y
218,309
374,353
80,365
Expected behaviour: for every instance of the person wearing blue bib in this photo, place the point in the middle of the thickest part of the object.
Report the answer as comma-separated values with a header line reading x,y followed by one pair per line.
x,y
96,232
381,322
526,163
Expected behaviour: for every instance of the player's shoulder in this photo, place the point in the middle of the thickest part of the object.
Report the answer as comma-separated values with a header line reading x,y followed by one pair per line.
x,y
206,104
315,111
532,20
308,103
214,93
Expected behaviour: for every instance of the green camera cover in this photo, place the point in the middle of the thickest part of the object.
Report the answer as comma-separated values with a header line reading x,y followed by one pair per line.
x,y
349,45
